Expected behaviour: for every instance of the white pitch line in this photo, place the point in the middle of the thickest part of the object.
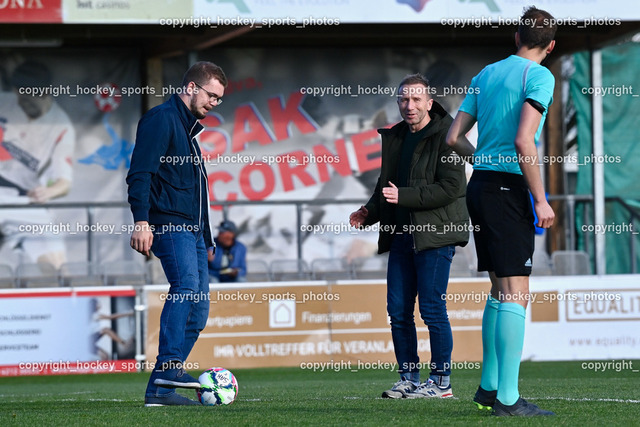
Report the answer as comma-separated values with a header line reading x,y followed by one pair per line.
x,y
107,400
90,400
586,399
48,394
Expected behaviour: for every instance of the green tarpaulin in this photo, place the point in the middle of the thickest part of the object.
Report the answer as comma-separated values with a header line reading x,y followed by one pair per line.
x,y
621,126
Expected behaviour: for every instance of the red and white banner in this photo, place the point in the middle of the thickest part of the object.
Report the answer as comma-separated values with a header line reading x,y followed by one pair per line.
x,y
65,331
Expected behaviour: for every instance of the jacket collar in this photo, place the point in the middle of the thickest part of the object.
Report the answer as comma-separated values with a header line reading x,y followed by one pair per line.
x,y
190,122
437,113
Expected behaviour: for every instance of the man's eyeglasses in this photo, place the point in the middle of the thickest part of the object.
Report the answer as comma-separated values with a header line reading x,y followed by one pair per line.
x,y
212,96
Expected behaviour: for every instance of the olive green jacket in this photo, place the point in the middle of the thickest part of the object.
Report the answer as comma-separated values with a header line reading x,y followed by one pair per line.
x,y
436,191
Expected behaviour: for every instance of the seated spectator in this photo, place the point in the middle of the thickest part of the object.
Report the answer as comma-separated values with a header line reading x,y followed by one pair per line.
x,y
229,263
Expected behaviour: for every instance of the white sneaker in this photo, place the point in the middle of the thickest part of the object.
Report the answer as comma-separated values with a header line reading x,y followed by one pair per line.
x,y
399,390
430,389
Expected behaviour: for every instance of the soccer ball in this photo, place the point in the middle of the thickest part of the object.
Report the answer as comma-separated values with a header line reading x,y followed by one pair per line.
x,y
219,387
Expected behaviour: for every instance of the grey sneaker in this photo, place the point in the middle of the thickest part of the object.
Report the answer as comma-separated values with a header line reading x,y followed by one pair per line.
x,y
521,408
399,390
429,389
173,399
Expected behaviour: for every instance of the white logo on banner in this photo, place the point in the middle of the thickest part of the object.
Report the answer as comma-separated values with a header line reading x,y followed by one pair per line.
x,y
282,314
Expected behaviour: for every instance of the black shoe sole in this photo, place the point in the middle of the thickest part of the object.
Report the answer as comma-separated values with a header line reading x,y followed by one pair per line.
x,y
175,384
500,410
173,400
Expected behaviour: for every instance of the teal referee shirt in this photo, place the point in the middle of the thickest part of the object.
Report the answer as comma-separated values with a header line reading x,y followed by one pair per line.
x,y
495,99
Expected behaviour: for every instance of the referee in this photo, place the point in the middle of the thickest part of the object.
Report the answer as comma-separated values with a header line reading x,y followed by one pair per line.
x,y
509,99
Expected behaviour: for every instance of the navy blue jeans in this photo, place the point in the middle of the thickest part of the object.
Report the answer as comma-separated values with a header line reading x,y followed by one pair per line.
x,y
425,274
183,255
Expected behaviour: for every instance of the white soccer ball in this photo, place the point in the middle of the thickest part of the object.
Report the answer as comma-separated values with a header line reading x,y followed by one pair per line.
x,y
219,387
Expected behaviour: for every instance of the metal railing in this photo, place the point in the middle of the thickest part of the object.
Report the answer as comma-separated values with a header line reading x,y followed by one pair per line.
x,y
90,208
571,201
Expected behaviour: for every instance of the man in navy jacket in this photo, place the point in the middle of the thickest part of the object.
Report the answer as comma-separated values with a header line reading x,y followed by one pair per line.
x,y
169,201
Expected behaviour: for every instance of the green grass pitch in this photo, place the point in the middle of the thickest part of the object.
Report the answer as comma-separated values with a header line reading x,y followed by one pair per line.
x,y
293,396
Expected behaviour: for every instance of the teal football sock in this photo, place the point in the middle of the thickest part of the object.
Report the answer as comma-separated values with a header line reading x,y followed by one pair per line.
x,y
489,379
509,342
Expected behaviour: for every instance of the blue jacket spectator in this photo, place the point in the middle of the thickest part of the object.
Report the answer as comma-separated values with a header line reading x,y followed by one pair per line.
x,y
229,263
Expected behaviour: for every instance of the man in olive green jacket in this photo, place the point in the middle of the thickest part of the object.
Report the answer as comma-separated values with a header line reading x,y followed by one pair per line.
x,y
420,203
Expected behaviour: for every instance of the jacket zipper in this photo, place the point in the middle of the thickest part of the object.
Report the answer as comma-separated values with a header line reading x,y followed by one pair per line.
x,y
199,201
413,237
199,178
203,171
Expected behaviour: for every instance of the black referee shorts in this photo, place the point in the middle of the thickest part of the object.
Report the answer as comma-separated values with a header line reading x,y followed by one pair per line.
x,y
501,212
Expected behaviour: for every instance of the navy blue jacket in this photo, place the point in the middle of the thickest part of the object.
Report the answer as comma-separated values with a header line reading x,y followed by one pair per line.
x,y
167,180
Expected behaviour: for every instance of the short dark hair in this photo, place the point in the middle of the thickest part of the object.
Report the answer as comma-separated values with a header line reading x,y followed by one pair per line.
x,y
537,28
203,71
415,79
